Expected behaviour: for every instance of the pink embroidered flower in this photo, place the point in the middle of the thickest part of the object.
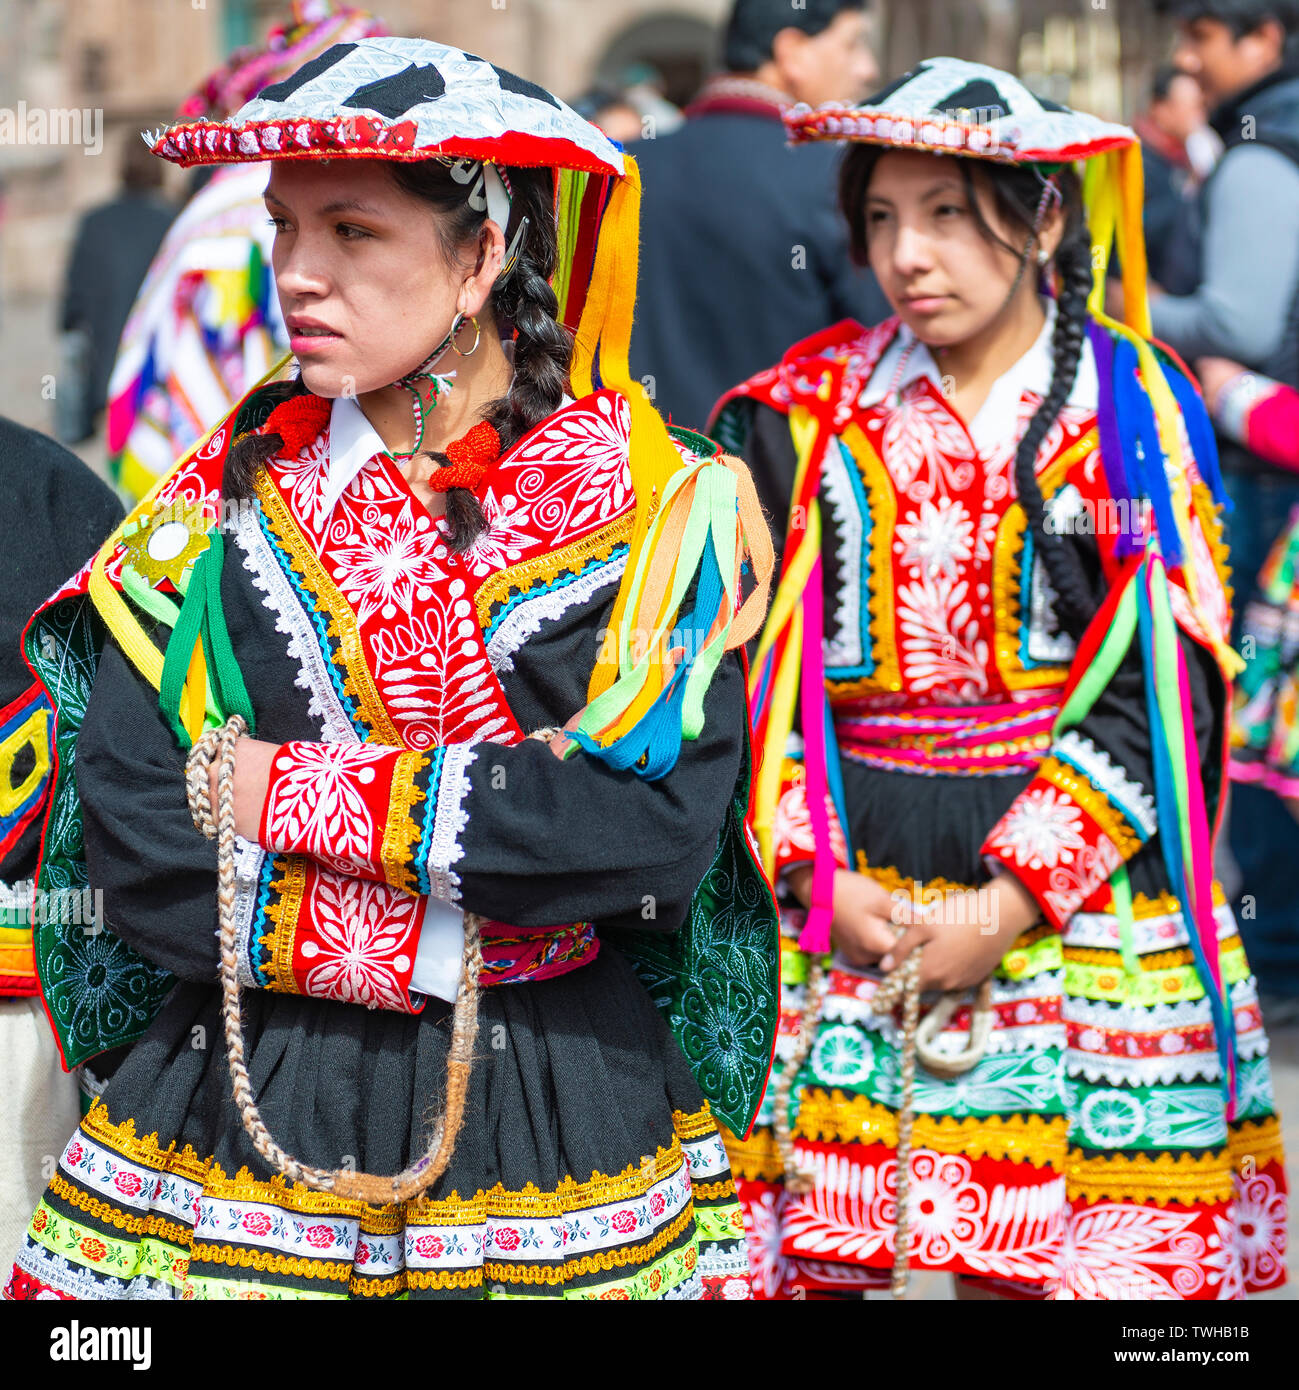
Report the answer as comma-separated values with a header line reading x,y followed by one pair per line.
x,y
624,1222
429,1246
657,1204
507,1238
362,1254
129,1184
319,1236
256,1223
74,1155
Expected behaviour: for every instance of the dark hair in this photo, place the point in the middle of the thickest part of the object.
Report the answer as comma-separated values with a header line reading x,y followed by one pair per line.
x,y
1016,191
754,24
1161,84
525,302
141,170
1241,16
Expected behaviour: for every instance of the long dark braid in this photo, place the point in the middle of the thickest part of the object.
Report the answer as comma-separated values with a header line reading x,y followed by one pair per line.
x,y
250,451
1016,193
1075,600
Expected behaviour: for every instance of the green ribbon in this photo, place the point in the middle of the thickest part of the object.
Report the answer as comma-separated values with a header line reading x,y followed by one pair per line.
x,y
202,618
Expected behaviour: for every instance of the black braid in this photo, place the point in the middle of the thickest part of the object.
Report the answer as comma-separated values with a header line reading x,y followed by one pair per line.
x,y
1075,600
249,452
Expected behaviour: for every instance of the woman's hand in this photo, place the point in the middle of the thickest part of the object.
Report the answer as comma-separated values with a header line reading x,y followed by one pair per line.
x,y
559,744
964,934
253,759
1215,374
860,927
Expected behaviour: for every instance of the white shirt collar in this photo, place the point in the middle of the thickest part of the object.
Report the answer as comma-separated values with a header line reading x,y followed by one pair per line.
x,y
353,442
999,414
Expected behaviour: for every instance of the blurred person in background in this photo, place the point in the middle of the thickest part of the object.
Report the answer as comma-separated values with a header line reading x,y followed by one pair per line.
x,y
742,252
206,325
1176,112
111,252
612,112
645,91
1262,415
1245,55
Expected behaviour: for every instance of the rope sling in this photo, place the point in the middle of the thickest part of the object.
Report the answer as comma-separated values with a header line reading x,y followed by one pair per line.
x,y
218,746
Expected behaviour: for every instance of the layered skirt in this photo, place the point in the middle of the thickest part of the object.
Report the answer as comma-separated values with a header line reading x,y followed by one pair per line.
x,y
1089,1153
588,1165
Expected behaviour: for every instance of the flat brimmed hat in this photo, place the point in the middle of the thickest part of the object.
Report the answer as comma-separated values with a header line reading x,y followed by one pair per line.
x,y
406,99
950,106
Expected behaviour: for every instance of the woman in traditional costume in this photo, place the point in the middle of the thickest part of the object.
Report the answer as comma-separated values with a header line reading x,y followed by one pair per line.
x,y
431,557
991,697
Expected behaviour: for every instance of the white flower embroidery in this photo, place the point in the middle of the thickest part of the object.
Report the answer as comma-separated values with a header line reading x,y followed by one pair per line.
x,y
587,480
937,539
387,564
791,828
317,805
362,943
925,447
1041,829
940,637
1114,1251
505,539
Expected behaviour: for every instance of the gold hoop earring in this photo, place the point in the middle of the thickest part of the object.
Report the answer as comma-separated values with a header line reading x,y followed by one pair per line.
x,y
478,333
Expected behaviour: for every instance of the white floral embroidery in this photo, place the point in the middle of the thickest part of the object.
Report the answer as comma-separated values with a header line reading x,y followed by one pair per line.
x,y
363,942
317,803
1041,829
937,539
586,480
1120,1251
941,639
926,449
387,563
505,539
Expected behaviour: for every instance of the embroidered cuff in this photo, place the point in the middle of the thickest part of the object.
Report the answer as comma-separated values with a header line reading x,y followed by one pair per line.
x,y
333,936
350,806
1070,828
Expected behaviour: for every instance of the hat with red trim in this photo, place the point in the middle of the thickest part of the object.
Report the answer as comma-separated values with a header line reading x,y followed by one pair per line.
x,y
950,106
400,99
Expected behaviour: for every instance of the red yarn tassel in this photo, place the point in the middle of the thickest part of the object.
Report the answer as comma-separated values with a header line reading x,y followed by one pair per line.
x,y
299,421
471,456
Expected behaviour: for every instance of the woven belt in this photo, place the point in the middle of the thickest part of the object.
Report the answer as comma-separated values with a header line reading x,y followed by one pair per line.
x,y
964,740
514,955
